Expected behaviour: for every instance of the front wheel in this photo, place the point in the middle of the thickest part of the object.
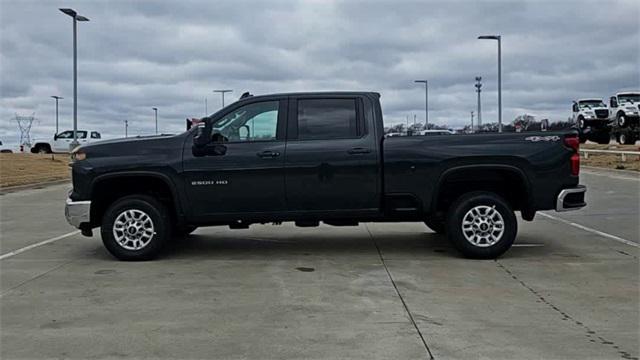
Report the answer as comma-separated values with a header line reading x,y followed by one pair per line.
x,y
135,227
622,121
481,225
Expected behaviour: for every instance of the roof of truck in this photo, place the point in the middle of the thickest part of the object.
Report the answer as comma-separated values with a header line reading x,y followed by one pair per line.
x,y
590,99
312,93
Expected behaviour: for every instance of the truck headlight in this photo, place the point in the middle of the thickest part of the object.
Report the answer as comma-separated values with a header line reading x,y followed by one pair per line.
x,y
78,154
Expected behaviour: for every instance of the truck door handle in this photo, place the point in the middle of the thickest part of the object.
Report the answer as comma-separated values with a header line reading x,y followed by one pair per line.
x,y
358,150
268,154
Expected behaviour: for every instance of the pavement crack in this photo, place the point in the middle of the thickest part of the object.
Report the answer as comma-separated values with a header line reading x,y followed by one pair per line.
x,y
395,287
590,334
8,291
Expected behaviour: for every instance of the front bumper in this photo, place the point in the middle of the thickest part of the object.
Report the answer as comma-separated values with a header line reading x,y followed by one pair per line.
x,y
77,212
571,199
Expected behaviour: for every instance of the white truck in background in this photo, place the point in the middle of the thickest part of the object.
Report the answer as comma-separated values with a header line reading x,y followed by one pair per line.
x,y
591,116
62,141
624,113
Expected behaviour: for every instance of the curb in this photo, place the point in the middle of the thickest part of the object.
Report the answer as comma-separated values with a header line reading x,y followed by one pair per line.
x,y
10,189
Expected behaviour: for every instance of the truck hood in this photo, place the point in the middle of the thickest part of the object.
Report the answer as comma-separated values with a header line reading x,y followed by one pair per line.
x,y
139,145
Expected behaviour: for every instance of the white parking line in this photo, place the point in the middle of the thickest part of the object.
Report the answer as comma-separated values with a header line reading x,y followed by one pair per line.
x,y
594,231
48,241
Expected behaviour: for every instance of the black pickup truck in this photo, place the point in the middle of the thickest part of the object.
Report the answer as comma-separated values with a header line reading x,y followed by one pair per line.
x,y
318,157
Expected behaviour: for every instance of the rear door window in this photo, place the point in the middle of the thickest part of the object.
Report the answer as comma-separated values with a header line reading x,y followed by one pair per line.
x,y
328,119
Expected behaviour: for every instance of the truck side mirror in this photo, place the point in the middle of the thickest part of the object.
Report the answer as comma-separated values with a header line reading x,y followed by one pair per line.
x,y
575,107
55,136
203,135
613,102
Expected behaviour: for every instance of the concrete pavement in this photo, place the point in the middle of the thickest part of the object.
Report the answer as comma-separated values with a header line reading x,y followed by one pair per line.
x,y
375,291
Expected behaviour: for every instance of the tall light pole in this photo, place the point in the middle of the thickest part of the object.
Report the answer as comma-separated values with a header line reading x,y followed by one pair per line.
x,y
426,102
471,120
57,98
478,86
499,39
126,128
155,109
222,92
76,18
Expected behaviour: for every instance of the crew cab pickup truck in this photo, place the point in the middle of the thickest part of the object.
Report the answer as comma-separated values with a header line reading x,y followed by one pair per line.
x,y
318,157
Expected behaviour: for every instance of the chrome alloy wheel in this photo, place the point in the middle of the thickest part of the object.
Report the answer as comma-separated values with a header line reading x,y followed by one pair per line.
x,y
133,229
483,226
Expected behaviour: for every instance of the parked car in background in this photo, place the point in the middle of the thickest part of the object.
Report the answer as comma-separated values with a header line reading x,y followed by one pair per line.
x,y
624,113
592,119
318,157
436,132
62,141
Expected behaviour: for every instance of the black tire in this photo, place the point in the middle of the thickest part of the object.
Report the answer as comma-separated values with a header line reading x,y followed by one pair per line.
x,y
462,207
436,224
627,139
41,149
621,120
581,123
161,226
623,139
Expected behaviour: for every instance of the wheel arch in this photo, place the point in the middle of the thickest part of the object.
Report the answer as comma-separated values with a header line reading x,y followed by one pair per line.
x,y
107,188
484,177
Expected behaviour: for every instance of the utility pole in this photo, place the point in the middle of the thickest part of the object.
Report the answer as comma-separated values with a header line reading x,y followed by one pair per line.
x,y
478,90
126,128
57,98
471,120
222,92
76,18
156,111
426,102
499,39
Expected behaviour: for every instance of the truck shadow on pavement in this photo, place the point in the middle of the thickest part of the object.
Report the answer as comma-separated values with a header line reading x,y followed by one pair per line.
x,y
236,245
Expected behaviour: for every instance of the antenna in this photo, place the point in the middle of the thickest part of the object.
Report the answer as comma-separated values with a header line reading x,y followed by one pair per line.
x,y
24,124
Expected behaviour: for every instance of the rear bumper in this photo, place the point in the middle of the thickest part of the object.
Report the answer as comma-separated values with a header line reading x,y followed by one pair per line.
x,y
571,199
77,212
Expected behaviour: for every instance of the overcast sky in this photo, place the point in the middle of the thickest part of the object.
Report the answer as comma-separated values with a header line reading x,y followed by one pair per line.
x,y
134,55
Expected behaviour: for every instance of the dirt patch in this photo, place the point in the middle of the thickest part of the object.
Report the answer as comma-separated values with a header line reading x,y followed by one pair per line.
x,y
612,161
24,169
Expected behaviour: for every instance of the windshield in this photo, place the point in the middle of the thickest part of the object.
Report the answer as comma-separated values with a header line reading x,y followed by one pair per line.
x,y
632,98
587,104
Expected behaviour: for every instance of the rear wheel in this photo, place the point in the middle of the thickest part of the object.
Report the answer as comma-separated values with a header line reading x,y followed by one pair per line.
x,y
481,225
135,227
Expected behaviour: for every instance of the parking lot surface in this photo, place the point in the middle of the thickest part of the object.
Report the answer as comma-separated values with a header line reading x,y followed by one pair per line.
x,y
567,289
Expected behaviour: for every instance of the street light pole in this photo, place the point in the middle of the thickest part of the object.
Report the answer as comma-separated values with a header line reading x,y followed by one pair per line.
x,y
478,86
499,39
156,111
126,128
471,120
222,92
57,98
76,18
426,102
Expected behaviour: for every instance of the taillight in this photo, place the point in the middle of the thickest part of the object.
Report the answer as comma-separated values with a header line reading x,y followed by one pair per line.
x,y
572,142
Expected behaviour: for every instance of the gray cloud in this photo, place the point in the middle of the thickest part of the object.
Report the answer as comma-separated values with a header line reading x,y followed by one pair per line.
x,y
134,55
